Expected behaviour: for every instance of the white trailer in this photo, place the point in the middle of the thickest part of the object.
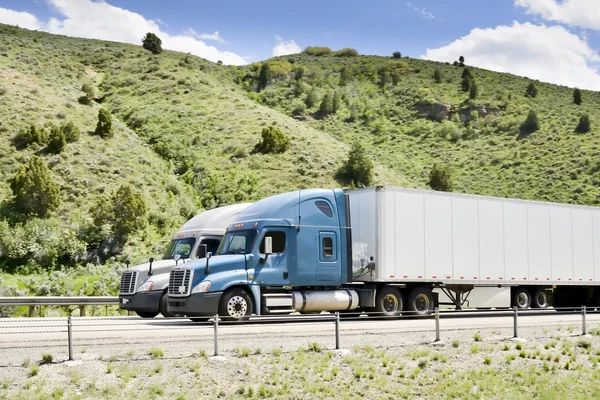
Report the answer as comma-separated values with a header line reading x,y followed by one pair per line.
x,y
523,253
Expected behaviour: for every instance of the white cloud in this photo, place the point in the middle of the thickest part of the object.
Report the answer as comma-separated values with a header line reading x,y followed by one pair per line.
x,y
205,36
421,11
100,20
550,54
583,13
22,19
284,48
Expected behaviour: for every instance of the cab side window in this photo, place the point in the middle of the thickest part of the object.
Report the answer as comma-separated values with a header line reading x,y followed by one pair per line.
x,y
211,246
278,242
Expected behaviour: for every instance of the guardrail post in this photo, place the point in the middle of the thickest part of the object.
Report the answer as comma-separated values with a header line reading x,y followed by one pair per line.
x,y
82,311
31,311
70,334
437,324
516,332
337,330
583,312
216,325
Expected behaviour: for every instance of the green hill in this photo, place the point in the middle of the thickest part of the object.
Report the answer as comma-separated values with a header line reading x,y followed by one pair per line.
x,y
186,130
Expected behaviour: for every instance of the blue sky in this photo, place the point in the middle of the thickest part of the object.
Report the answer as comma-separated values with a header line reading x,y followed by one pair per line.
x,y
518,36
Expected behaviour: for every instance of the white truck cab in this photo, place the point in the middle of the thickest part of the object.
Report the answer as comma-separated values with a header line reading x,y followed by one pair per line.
x,y
143,288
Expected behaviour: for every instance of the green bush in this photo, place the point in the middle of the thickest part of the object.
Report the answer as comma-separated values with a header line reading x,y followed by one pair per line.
x,y
104,126
359,166
326,106
437,76
152,43
85,100
397,54
473,90
577,96
346,52
220,189
530,125
273,141
317,51
311,98
466,84
264,77
531,90
56,141
440,178
584,124
34,189
71,132
88,90
27,137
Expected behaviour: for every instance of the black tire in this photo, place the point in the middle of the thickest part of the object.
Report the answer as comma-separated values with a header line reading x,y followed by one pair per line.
x,y
521,298
389,302
541,299
199,319
162,306
420,301
235,305
147,314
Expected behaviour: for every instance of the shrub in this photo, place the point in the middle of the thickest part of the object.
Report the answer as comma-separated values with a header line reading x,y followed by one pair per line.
x,y
47,358
531,90
311,98
336,102
530,125
584,125
437,76
56,141
397,54
104,126
440,178
156,352
35,191
359,166
88,90
577,96
465,84
219,189
326,106
264,76
346,52
473,90
85,100
461,60
26,137
71,132
152,43
273,141
317,51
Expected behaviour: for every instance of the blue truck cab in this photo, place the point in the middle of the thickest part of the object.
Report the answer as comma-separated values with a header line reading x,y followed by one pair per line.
x,y
285,253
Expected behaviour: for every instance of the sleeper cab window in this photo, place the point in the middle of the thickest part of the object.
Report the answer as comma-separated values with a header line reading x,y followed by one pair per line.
x,y
327,247
324,207
278,242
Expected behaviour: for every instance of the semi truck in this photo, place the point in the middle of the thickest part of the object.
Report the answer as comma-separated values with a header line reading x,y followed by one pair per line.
x,y
392,251
143,287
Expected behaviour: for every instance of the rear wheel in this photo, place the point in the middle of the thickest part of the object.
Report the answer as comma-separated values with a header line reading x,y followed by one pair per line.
x,y
162,304
235,305
420,301
147,314
389,301
521,298
540,299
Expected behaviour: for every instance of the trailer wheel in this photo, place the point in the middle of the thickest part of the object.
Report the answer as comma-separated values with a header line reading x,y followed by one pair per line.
x,y
162,304
147,314
389,301
420,301
235,305
540,299
522,298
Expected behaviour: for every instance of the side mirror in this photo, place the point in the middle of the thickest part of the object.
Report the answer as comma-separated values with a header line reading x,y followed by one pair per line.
x,y
202,251
150,272
177,257
207,268
268,245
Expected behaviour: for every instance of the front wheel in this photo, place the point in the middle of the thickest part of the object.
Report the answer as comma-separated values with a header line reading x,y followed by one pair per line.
x,y
420,301
163,306
147,314
389,301
235,305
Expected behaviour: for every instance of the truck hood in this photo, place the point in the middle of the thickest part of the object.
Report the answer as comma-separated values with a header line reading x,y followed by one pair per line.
x,y
229,262
158,267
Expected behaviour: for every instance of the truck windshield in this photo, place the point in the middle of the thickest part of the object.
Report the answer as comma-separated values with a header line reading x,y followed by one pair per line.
x,y
238,242
181,247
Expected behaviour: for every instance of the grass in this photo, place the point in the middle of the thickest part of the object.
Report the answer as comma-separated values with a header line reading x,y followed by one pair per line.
x,y
156,352
34,370
455,343
477,337
47,358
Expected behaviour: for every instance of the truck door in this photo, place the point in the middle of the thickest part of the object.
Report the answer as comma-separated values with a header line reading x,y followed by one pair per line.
x,y
275,270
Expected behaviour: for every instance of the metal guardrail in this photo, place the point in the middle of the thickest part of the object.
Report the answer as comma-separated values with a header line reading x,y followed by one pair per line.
x,y
81,301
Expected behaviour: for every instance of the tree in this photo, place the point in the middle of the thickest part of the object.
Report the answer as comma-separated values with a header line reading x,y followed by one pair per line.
x,y
577,96
264,76
71,132
473,90
326,106
397,54
311,98
35,191
346,52
104,126
440,178
152,43
344,76
530,125
124,212
28,136
337,102
466,84
359,166
466,73
531,90
273,141
461,60
57,140
437,76
584,125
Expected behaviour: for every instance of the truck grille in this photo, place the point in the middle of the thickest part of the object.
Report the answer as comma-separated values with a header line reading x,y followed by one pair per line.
x,y
179,282
128,282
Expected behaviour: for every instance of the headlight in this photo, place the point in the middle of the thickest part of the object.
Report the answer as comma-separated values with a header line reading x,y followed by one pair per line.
x,y
202,287
145,286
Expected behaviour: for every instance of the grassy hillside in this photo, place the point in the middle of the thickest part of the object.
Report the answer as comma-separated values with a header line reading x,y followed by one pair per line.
x,y
186,132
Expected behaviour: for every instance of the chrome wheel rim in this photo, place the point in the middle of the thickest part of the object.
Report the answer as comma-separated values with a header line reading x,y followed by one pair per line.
x,y
390,303
522,300
422,303
237,307
542,299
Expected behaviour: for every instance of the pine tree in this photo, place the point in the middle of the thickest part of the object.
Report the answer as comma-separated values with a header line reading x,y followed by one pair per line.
x,y
326,106
311,98
265,75
152,42
473,90
531,124
359,166
104,126
531,90
71,132
577,96
437,76
397,54
584,125
273,141
465,84
337,102
35,191
57,140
